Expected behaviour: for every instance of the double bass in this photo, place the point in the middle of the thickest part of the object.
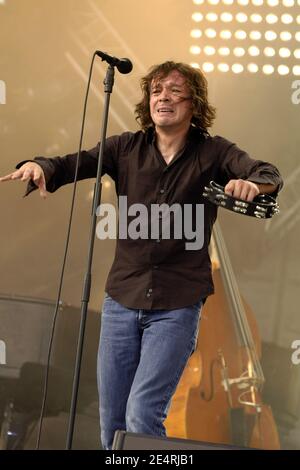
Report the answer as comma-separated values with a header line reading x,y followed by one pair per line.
x,y
219,397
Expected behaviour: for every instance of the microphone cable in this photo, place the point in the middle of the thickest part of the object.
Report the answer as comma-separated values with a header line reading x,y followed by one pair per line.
x,y
58,300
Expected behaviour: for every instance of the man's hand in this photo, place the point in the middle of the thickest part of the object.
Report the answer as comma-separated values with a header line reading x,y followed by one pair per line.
x,y
29,170
242,189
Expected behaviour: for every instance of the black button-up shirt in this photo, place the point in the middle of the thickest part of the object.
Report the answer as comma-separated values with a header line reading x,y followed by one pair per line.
x,y
161,273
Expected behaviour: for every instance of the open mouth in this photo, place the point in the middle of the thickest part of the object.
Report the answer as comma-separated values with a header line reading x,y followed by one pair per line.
x,y
165,111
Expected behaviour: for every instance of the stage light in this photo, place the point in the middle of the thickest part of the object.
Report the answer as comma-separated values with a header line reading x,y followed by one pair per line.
x,y
223,67
252,68
284,52
255,35
286,18
240,34
285,36
195,50
212,17
271,19
224,51
226,17
225,34
296,70
196,33
195,65
255,18
209,50
197,17
253,51
283,69
270,35
237,68
208,67
239,51
252,26
241,17
210,33
269,51
268,69
297,53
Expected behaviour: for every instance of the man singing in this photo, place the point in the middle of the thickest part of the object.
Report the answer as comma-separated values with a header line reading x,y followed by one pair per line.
x,y
156,287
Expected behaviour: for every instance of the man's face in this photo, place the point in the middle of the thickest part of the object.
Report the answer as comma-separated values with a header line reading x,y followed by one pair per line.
x,y
170,101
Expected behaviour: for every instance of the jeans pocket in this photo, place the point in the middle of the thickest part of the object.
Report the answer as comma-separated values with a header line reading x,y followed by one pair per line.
x,y
199,304
107,297
106,301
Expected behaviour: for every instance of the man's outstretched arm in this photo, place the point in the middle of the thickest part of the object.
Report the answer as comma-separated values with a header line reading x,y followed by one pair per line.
x,y
29,171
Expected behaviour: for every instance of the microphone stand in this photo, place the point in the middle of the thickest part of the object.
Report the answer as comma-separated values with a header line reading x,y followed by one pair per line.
x,y
108,86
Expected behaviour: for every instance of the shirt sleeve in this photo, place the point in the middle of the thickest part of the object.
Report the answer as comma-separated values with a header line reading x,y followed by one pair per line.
x,y
61,170
235,163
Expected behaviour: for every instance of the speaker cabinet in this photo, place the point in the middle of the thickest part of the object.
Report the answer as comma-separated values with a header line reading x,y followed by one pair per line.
x,y
131,441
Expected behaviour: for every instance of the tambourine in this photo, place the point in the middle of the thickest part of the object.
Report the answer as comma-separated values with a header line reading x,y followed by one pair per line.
x,y
263,206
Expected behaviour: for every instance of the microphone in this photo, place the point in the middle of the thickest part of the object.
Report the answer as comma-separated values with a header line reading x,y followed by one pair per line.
x,y
123,65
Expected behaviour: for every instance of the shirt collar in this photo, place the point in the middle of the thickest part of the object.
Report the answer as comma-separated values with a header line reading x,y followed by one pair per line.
x,y
194,133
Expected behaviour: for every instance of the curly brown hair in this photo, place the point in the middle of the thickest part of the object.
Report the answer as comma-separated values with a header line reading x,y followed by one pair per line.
x,y
203,112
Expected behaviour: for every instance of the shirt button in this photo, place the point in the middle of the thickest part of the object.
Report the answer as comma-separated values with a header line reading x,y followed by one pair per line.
x,y
162,191
150,290
148,295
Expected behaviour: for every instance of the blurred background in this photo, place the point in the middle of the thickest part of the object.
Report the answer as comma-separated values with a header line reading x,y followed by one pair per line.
x,y
249,50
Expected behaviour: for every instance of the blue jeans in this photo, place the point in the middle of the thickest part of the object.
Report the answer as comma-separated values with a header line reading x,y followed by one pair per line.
x,y
142,355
